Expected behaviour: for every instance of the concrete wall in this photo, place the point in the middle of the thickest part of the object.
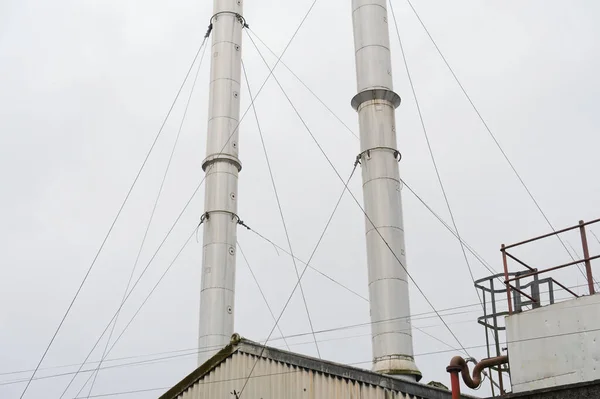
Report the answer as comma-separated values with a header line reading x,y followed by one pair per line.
x,y
555,345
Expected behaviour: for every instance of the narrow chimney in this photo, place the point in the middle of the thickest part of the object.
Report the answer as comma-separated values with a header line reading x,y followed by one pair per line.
x,y
376,103
217,298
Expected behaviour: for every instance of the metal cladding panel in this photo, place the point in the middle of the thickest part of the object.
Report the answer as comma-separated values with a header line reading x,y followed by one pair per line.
x,y
555,345
371,44
275,380
223,176
374,132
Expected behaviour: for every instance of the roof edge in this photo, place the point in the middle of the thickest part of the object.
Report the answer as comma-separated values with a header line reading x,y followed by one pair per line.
x,y
203,369
344,371
252,348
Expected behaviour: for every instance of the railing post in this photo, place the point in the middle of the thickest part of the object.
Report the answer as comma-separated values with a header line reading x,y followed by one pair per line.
x,y
505,262
586,256
502,391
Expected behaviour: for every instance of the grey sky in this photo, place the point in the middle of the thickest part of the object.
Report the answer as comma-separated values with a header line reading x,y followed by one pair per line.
x,y
84,87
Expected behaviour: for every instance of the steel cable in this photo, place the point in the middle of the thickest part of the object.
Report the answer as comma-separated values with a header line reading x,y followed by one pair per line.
x,y
114,222
162,183
204,178
493,136
279,207
356,200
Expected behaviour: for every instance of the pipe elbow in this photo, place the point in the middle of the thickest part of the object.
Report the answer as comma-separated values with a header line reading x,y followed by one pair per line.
x,y
458,364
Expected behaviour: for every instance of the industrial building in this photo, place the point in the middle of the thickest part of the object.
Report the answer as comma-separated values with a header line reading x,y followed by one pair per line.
x,y
282,374
551,347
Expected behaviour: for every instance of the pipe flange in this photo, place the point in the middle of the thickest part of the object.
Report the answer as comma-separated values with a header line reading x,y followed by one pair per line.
x,y
375,94
221,157
453,369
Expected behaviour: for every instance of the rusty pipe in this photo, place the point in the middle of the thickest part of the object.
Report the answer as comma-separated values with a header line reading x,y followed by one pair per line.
x,y
455,384
458,364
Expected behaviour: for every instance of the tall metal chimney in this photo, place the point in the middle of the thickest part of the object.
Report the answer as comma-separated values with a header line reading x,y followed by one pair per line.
x,y
376,103
217,298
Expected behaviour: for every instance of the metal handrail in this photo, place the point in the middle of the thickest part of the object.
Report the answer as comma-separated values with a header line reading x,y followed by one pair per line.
x,y
515,277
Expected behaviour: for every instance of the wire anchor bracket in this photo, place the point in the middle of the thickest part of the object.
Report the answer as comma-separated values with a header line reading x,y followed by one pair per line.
x,y
234,217
239,17
366,154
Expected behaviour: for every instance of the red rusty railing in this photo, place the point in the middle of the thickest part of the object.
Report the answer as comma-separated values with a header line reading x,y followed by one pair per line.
x,y
534,272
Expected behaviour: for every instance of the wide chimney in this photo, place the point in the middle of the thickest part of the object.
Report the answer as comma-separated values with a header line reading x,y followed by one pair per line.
x,y
376,103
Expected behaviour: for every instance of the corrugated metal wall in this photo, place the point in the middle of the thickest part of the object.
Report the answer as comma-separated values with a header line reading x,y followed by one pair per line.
x,y
275,380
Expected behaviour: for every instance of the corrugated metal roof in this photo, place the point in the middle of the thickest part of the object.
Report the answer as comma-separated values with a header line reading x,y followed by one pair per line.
x,y
279,374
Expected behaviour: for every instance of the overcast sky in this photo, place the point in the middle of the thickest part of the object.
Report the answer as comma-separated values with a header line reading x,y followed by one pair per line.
x,y
85,85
